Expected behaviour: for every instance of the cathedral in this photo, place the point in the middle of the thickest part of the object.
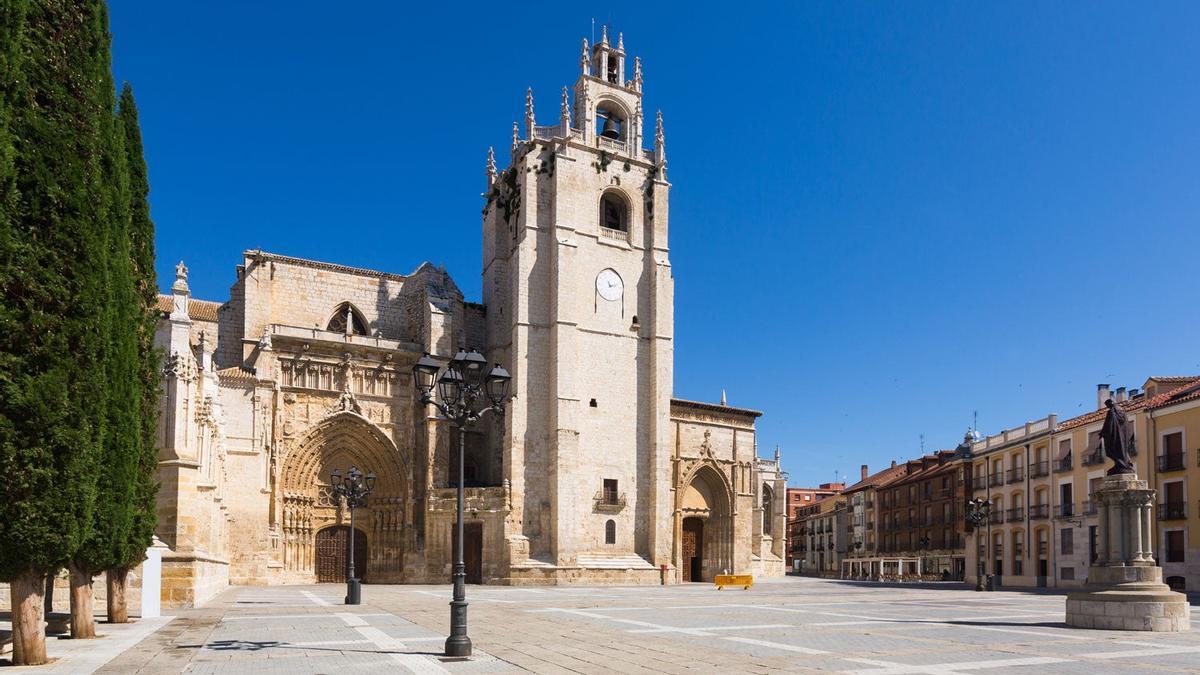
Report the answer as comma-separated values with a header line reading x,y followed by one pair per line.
x,y
595,473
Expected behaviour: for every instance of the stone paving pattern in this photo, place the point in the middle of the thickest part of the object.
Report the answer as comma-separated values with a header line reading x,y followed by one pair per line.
x,y
785,625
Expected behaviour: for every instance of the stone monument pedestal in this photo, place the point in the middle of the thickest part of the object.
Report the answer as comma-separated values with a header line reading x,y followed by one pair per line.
x,y
1125,590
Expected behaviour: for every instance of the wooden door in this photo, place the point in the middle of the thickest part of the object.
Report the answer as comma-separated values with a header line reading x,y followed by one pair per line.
x,y
472,550
333,553
693,548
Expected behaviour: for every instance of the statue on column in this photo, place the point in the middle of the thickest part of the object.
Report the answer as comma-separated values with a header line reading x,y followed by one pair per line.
x,y
1117,439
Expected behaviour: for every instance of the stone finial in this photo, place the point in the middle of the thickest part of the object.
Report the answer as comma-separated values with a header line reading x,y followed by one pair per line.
x,y
776,455
660,147
585,61
264,342
491,165
516,137
530,124
637,73
620,41
181,276
565,113
603,33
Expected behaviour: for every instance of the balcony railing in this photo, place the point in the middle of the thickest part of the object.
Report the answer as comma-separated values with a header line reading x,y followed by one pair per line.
x,y
1172,511
607,500
1039,469
996,479
1089,508
1094,457
1064,510
996,517
1015,515
1039,511
1016,475
1171,462
1042,548
1064,464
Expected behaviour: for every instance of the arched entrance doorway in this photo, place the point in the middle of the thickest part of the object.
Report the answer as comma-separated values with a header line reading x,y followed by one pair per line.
x,y
314,519
333,550
705,528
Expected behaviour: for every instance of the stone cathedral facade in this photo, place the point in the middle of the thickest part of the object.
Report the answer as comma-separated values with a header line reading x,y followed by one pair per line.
x,y
594,474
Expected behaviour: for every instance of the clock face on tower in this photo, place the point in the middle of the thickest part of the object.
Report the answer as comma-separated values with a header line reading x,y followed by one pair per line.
x,y
609,285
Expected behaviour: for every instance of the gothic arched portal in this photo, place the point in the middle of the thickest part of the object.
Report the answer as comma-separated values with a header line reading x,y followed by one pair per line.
x,y
705,525
340,441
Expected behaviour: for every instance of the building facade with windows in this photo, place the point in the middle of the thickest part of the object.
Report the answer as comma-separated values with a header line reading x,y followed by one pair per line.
x,y
1040,477
595,472
797,499
921,517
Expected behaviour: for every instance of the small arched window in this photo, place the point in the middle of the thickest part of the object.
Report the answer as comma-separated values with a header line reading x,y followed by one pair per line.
x,y
768,509
347,320
614,212
610,532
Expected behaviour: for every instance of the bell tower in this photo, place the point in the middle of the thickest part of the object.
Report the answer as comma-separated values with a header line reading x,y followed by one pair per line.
x,y
579,294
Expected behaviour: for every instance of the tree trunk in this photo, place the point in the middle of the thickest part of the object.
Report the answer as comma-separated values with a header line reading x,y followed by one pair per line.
x,y
29,630
83,623
118,611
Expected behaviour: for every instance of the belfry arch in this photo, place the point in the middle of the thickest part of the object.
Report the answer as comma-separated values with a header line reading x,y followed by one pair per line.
x,y
339,441
704,525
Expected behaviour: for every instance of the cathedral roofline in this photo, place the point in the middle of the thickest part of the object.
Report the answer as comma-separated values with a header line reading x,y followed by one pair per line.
x,y
715,407
264,256
199,310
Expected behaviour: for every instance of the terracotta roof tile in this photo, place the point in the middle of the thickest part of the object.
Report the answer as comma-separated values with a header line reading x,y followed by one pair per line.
x,y
1135,404
236,374
199,310
879,478
1187,392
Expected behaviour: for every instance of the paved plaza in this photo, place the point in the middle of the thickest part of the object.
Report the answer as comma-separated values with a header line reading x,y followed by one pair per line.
x,y
791,625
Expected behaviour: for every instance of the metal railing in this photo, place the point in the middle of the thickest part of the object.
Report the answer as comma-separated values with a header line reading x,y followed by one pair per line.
x,y
1064,464
1015,514
996,479
1172,511
1089,508
1016,475
1064,510
1039,511
996,517
1172,461
1039,469
1094,457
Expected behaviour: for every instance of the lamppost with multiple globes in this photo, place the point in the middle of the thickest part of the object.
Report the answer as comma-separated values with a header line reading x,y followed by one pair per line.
x,y
977,514
354,488
467,390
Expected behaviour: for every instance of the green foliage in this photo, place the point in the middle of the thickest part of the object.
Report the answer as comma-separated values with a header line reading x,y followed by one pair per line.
x,y
141,245
53,280
601,165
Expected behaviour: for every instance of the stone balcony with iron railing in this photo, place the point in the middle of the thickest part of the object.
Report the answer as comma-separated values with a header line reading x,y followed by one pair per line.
x,y
1016,475
1064,510
607,501
1039,469
1015,514
996,479
1089,508
1093,457
1171,461
1172,511
1039,511
1064,463
996,518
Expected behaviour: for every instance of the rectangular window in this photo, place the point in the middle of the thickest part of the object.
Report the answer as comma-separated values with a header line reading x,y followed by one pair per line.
x,y
1175,546
610,490
1067,546
1018,567
1064,448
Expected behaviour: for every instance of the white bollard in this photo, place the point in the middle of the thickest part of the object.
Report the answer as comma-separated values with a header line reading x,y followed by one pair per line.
x,y
152,580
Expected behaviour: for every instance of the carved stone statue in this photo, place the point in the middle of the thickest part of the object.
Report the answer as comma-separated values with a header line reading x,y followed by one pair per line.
x,y
1117,439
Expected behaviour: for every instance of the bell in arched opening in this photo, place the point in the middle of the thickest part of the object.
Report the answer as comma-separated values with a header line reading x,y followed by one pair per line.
x,y
611,128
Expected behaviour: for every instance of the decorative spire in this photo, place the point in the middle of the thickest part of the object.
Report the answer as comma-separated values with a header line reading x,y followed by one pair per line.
x,y
585,63
565,113
516,137
637,73
181,275
491,165
620,41
660,147
603,33
530,124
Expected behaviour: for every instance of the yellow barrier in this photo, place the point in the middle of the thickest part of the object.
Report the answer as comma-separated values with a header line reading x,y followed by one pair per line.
x,y
743,580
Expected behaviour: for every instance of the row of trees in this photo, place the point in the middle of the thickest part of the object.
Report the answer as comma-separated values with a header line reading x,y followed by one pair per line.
x,y
78,368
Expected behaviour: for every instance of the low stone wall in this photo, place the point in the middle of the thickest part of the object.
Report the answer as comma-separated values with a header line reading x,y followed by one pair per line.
x,y
565,576
62,593
190,580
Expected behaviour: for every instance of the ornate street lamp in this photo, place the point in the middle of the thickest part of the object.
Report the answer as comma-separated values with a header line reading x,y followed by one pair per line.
x,y
977,515
467,390
354,488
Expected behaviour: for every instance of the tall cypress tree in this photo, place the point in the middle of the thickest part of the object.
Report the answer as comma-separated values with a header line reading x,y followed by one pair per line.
x,y
144,484
53,274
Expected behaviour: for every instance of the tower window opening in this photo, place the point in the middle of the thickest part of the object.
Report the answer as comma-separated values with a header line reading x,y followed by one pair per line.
x,y
612,69
610,124
613,212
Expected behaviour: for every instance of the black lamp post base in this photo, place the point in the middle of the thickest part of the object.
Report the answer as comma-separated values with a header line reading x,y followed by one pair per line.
x,y
458,645
353,592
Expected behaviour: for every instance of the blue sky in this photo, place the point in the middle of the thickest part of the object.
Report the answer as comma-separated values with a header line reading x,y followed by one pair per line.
x,y
884,217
